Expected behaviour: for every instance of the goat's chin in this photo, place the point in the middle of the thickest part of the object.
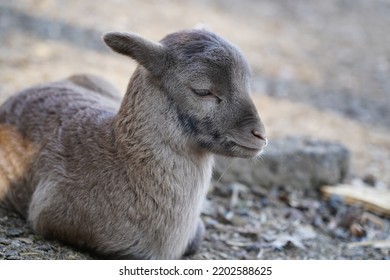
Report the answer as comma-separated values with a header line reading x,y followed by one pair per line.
x,y
247,154
239,152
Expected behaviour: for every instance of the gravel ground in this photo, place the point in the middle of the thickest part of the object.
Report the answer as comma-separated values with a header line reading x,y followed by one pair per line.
x,y
320,69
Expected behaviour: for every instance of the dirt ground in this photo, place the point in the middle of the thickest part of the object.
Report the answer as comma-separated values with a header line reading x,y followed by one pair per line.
x,y
320,69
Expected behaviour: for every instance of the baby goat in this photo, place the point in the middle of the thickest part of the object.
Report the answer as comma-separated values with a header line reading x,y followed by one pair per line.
x,y
127,179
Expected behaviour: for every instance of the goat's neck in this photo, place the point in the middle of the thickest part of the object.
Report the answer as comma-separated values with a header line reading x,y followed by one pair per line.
x,y
147,132
161,162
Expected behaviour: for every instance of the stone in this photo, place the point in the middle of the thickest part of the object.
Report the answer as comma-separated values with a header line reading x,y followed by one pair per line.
x,y
11,253
14,232
292,161
5,241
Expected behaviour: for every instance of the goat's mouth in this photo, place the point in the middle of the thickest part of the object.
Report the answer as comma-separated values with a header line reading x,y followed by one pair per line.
x,y
243,147
235,146
247,147
248,150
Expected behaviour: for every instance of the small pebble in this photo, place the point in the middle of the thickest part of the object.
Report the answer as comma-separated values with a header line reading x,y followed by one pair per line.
x,y
14,232
25,240
15,244
357,230
44,247
11,253
369,179
5,241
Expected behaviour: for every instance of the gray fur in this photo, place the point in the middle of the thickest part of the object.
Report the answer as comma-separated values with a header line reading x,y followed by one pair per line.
x,y
127,180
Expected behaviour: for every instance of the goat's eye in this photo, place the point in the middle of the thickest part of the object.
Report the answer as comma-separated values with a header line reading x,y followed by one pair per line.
x,y
203,92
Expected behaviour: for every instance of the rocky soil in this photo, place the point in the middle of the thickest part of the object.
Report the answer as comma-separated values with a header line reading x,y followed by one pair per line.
x,y
321,78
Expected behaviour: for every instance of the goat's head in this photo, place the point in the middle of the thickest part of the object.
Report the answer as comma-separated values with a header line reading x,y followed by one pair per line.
x,y
207,81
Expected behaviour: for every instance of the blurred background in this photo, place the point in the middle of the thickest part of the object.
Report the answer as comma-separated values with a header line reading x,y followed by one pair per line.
x,y
320,68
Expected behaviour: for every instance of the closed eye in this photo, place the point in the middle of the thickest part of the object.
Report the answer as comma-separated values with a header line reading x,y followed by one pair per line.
x,y
202,92
206,93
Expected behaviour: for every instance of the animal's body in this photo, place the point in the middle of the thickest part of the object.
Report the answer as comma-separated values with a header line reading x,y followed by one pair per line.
x,y
126,178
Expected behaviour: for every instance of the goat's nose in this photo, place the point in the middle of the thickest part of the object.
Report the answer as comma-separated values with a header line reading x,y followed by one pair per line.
x,y
260,135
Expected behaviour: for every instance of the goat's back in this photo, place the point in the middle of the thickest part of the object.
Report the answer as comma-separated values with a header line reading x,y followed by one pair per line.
x,y
34,117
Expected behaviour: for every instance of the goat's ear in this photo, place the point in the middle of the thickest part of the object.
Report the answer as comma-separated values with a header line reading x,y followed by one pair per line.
x,y
149,54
